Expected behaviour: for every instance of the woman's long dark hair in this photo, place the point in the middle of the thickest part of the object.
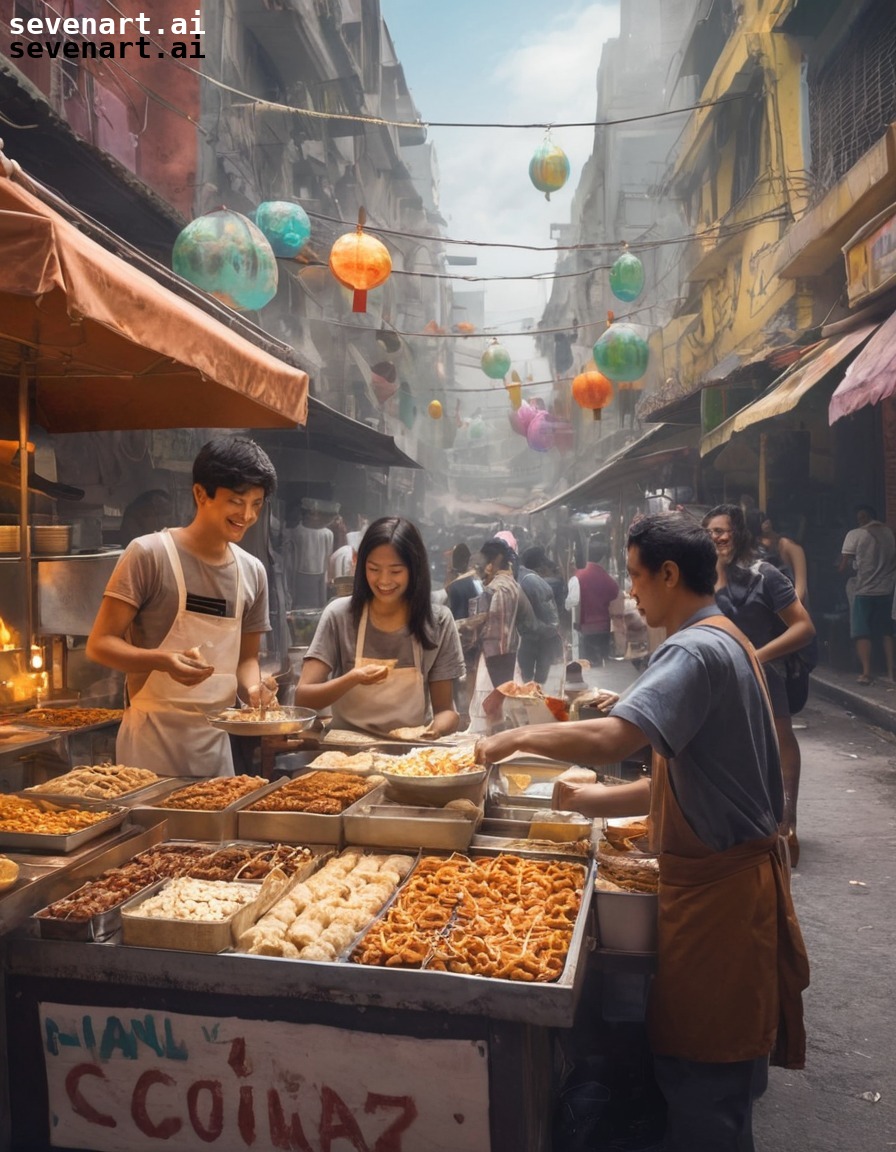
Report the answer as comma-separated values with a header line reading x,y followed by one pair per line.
x,y
405,538
743,546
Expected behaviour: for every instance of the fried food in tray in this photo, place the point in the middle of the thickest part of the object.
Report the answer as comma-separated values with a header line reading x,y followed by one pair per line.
x,y
97,781
427,762
70,717
627,874
504,917
212,795
206,901
320,917
325,793
167,861
17,814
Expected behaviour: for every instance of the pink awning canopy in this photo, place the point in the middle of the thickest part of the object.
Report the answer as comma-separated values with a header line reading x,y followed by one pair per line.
x,y
871,377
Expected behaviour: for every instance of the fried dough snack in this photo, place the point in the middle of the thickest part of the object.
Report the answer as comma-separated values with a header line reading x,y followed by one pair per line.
x,y
504,917
629,837
629,874
212,795
20,815
318,919
98,781
326,793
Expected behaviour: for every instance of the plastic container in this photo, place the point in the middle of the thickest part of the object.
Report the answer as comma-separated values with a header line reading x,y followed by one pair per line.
x,y
626,921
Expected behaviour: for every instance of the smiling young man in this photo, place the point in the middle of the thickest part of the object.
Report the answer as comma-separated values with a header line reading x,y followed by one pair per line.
x,y
182,616
731,965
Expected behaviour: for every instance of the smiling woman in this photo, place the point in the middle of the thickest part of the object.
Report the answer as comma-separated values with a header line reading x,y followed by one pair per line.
x,y
386,658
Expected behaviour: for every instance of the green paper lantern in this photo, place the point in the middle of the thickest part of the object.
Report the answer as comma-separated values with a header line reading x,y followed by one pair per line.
x,y
285,226
549,168
621,354
495,361
225,254
627,277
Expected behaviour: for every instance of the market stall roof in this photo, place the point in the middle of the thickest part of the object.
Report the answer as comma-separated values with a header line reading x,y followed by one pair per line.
x,y
337,436
788,390
871,377
106,346
658,446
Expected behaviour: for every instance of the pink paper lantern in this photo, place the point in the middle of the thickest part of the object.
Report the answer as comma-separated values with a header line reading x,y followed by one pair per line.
x,y
520,418
540,433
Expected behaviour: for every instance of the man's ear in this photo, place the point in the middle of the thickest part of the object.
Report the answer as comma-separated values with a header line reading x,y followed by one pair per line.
x,y
671,573
199,493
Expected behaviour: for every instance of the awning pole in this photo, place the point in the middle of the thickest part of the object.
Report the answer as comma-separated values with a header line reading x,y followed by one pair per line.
x,y
763,471
24,530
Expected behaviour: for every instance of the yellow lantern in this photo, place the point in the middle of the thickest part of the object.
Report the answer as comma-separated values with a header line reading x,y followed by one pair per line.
x,y
360,262
435,409
515,390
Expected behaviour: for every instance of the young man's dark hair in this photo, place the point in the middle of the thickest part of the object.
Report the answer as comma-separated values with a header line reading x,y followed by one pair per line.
x,y
596,550
868,509
534,558
405,538
676,537
233,462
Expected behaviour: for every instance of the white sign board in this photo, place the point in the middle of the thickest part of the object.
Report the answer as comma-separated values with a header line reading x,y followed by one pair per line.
x,y
126,1078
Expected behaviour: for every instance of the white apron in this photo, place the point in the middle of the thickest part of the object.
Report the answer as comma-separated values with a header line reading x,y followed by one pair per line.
x,y
164,727
398,702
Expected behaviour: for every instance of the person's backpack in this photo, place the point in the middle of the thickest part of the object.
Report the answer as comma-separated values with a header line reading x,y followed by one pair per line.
x,y
527,623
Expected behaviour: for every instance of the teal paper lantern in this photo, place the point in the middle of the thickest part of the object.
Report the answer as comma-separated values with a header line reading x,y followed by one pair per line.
x,y
495,361
627,277
621,354
226,255
549,168
285,226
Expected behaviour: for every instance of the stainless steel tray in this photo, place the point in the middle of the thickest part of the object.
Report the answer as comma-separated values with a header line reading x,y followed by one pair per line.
x,y
295,827
126,799
196,823
189,935
297,720
64,842
402,826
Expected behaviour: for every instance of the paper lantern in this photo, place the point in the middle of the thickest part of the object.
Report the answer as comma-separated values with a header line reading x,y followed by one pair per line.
x,y
477,428
360,262
621,354
384,380
285,226
627,277
592,390
521,417
464,327
435,410
549,168
540,433
225,254
495,361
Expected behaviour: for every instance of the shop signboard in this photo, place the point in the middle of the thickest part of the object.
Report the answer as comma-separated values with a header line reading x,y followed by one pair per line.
x,y
136,1079
871,258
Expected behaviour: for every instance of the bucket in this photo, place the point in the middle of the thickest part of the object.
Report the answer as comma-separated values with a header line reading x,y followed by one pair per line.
x,y
626,921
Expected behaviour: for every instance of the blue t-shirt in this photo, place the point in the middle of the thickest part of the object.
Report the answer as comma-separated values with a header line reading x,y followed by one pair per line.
x,y
699,705
753,597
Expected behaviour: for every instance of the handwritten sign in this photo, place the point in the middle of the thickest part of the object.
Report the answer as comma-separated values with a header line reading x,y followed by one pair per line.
x,y
121,1078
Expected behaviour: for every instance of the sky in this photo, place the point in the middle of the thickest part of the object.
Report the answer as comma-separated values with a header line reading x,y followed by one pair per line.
x,y
505,62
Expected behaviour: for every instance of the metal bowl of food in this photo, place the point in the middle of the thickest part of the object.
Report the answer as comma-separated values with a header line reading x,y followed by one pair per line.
x,y
434,776
279,720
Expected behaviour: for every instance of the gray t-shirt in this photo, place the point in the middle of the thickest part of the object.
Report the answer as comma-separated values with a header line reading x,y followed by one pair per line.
x,y
699,704
874,550
143,578
335,639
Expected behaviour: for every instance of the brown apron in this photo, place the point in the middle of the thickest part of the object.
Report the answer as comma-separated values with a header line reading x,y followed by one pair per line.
x,y
731,960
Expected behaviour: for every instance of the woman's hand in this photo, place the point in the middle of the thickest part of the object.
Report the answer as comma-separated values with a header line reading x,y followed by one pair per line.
x,y
264,694
369,674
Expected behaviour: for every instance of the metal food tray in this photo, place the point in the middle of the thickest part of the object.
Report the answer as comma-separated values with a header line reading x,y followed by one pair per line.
x,y
295,827
582,925
299,720
198,823
103,924
189,935
403,826
537,793
69,841
135,796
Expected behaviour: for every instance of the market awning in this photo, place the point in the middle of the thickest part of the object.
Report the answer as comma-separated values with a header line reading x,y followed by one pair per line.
x,y
108,347
338,436
871,377
660,446
786,392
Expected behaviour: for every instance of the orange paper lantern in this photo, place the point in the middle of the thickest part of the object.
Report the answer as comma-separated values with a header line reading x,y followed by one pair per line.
x,y
435,410
592,390
360,262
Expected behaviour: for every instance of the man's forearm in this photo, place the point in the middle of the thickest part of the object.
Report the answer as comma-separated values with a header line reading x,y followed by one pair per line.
x,y
588,742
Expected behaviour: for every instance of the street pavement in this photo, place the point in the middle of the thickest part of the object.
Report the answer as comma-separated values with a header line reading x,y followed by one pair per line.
x,y
845,896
